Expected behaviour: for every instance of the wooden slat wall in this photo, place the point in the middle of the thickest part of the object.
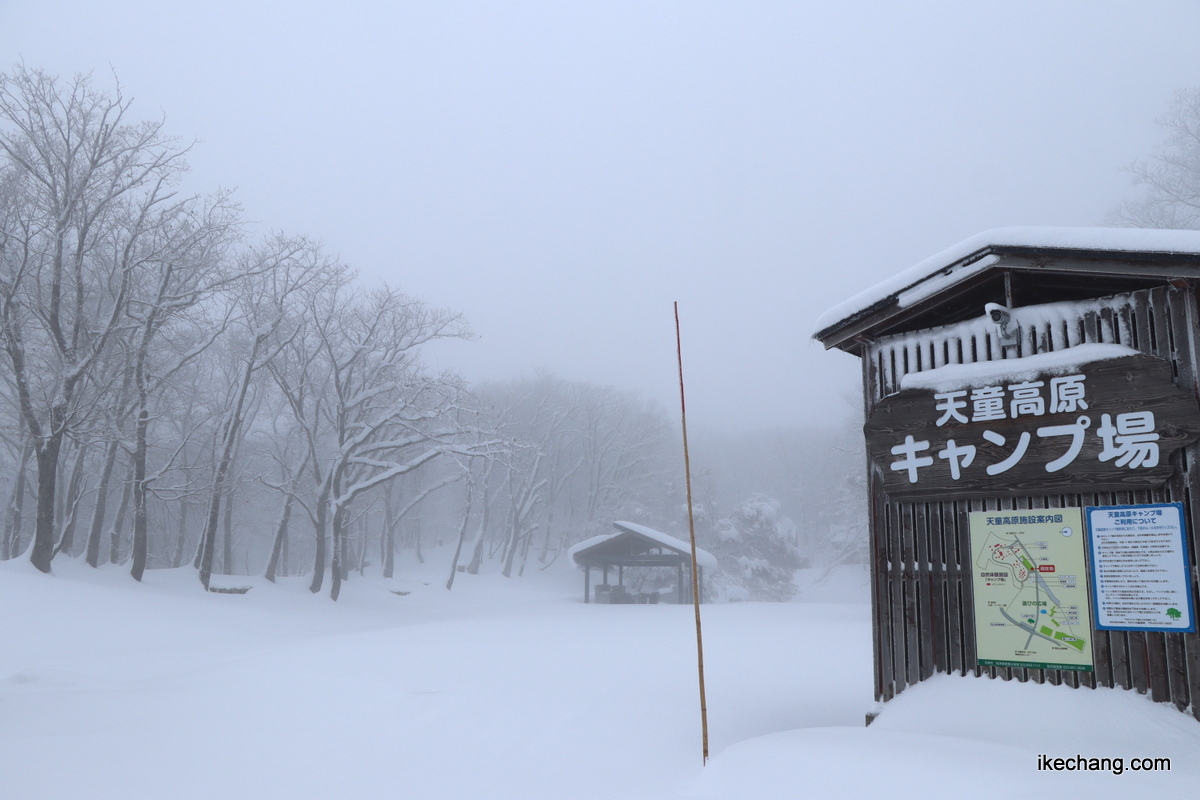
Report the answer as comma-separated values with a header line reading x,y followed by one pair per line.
x,y
921,586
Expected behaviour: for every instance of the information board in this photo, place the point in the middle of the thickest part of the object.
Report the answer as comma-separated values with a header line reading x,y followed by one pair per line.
x,y
1029,575
1140,577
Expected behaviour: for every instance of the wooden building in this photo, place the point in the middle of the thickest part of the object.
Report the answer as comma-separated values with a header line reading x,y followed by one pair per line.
x,y
1112,310
635,545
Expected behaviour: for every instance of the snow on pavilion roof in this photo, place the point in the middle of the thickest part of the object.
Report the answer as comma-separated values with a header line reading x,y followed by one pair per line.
x,y
972,256
703,557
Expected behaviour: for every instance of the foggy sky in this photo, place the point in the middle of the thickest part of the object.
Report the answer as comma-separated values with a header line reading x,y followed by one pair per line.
x,y
561,172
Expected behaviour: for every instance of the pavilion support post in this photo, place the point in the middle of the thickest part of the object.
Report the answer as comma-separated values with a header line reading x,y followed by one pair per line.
x,y
606,574
620,575
679,583
587,584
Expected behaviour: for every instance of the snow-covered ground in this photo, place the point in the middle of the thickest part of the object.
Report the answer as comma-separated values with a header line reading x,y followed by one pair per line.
x,y
510,689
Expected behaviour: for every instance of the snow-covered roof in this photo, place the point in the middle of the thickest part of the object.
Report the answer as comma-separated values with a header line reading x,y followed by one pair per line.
x,y
972,256
985,373
703,557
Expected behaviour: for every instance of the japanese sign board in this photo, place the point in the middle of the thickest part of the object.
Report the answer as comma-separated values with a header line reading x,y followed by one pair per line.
x,y
1140,575
1105,425
1029,577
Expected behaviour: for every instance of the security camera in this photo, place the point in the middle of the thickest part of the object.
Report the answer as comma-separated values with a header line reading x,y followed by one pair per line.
x,y
1009,331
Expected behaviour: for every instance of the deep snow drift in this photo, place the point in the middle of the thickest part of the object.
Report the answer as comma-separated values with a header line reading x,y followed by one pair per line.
x,y
509,689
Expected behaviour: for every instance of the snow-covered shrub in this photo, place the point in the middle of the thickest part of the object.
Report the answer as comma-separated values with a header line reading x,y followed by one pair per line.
x,y
756,548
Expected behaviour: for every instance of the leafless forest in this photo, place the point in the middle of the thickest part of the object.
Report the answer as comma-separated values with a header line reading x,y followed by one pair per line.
x,y
181,390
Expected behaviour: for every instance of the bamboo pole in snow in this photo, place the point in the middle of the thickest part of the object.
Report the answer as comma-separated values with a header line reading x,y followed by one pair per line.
x,y
687,472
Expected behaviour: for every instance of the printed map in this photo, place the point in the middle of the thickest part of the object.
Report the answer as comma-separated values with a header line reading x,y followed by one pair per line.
x,y
1031,589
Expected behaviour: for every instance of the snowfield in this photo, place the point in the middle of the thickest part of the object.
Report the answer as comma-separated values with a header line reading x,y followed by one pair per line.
x,y
510,689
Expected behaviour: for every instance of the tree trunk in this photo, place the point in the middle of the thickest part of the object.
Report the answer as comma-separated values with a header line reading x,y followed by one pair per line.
x,y
229,437
227,541
140,545
59,504
512,540
525,552
280,545
14,519
115,533
417,484
74,491
43,535
362,548
319,526
462,534
343,538
283,558
95,534
181,533
527,539
208,539
477,555
417,539
546,542
389,533
339,554
512,552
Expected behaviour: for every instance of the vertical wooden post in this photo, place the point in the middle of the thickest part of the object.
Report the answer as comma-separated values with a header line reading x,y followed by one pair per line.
x,y
587,583
687,474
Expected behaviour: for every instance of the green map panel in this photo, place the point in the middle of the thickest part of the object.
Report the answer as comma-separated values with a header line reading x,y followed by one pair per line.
x,y
1029,575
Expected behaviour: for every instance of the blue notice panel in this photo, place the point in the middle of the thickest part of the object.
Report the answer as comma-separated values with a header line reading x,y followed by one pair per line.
x,y
1139,564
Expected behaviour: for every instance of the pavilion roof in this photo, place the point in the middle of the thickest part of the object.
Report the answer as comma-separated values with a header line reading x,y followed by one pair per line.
x,y
631,539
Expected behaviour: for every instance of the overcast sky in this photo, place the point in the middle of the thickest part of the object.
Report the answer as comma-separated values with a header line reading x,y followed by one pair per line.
x,y
560,172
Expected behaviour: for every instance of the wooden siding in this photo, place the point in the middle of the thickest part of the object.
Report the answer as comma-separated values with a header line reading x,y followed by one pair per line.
x,y
920,559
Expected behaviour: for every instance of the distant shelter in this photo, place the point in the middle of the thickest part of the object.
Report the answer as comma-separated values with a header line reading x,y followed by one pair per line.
x,y
636,545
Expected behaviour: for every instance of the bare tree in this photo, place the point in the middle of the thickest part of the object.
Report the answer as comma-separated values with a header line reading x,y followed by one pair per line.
x,y
183,264
1171,176
367,410
84,186
147,352
276,275
115,414
577,453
